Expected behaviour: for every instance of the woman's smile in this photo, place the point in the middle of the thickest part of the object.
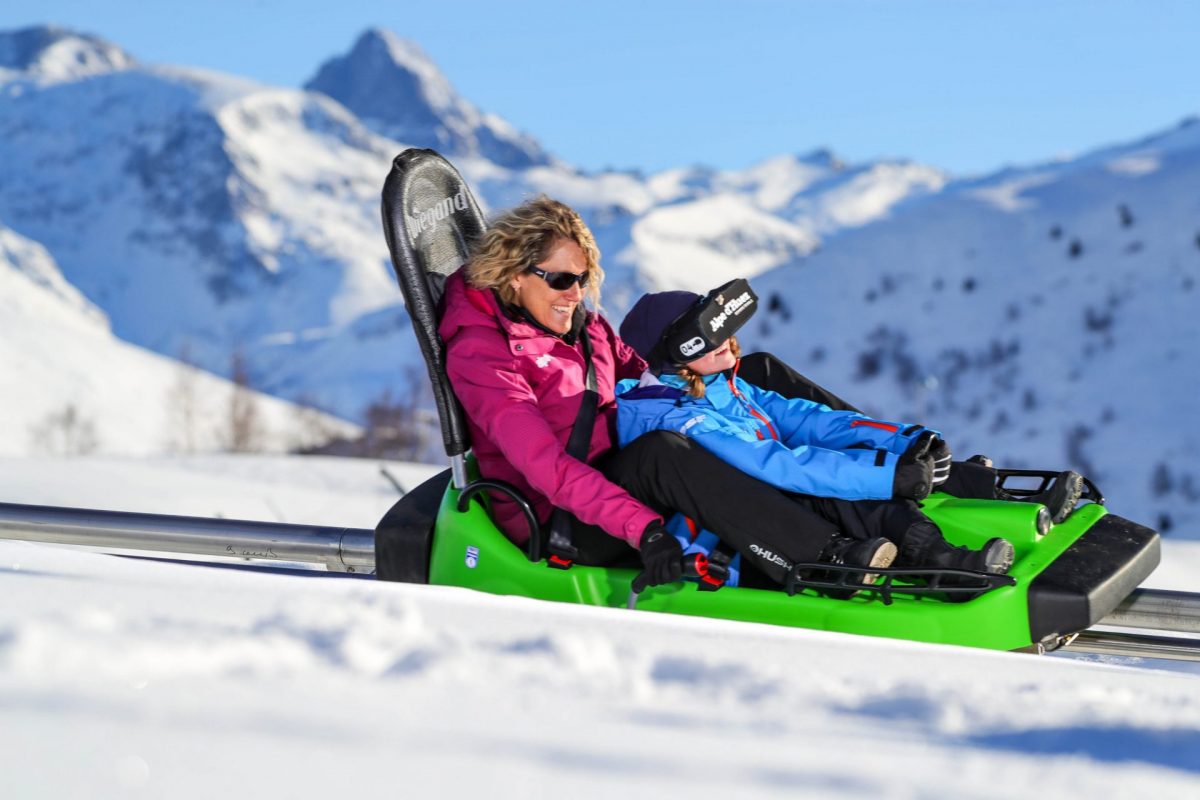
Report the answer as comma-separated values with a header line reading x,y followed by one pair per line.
x,y
551,308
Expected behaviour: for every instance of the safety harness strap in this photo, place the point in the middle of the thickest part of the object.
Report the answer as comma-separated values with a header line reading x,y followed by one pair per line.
x,y
562,550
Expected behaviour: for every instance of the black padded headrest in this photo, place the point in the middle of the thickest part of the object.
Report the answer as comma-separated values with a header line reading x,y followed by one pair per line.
x,y
430,220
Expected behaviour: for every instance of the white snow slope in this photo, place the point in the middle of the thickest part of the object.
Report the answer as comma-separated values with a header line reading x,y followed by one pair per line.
x,y
74,387
133,678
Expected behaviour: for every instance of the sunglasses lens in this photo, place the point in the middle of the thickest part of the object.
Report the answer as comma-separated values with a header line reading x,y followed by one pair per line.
x,y
562,281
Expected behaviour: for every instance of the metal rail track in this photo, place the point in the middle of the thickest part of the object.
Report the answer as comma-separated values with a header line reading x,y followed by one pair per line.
x,y
1153,610
337,549
353,550
1111,643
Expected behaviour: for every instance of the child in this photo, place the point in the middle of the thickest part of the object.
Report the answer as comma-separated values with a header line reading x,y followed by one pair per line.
x,y
856,477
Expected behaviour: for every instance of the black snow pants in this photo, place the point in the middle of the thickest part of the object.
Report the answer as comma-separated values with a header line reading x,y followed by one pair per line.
x,y
771,528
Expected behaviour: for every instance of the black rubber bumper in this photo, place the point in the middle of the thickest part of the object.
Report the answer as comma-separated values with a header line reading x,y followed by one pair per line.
x,y
404,537
1091,578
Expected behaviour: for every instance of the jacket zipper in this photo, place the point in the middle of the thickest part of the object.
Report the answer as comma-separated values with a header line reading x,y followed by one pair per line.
x,y
761,417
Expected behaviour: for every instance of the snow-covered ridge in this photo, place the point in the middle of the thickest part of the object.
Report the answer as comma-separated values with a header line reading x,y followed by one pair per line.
x,y
25,264
49,53
71,387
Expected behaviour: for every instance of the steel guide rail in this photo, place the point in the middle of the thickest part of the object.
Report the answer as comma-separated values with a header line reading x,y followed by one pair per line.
x,y
1111,643
353,550
338,549
1158,609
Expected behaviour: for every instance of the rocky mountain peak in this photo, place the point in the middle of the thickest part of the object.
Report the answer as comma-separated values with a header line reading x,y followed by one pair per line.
x,y
394,87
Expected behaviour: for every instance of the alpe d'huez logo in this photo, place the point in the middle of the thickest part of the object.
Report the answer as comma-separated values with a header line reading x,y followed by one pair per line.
x,y
728,309
427,219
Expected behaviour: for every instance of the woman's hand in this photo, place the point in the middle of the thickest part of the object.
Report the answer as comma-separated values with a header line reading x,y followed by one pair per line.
x,y
662,558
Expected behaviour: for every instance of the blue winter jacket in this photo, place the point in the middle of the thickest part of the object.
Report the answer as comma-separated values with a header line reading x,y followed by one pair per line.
x,y
796,445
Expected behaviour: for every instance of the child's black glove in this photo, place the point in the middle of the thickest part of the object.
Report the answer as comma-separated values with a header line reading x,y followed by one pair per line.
x,y
914,470
940,452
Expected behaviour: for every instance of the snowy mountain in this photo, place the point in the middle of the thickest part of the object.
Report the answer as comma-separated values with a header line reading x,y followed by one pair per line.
x,y
393,87
200,208
1043,315
71,387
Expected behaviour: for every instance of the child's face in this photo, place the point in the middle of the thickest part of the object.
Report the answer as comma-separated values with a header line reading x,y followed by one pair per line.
x,y
718,360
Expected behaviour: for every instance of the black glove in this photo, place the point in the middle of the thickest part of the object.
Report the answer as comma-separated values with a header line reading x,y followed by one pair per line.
x,y
914,470
940,452
662,557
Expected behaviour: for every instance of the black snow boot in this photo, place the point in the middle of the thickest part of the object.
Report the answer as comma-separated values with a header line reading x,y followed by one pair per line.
x,y
1059,499
995,557
871,553
924,547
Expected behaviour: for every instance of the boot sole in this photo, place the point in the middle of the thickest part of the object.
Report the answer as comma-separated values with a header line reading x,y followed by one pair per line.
x,y
882,559
1000,558
1070,501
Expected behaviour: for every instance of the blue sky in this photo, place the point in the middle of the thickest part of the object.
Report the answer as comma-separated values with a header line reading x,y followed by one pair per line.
x,y
965,85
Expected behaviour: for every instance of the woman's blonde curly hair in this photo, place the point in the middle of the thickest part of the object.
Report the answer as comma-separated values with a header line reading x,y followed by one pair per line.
x,y
695,380
522,237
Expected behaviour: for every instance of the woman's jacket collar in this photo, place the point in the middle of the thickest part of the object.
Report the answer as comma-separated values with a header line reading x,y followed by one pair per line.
x,y
520,314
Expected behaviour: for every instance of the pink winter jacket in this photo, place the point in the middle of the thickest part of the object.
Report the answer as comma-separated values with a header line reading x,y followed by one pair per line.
x,y
521,388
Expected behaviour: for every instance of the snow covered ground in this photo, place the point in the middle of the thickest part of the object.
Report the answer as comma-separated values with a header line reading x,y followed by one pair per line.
x,y
136,678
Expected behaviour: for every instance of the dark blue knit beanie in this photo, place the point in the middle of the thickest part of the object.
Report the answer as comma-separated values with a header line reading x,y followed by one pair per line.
x,y
645,324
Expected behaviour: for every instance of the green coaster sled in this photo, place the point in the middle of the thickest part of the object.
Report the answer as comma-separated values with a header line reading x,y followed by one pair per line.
x,y
1065,578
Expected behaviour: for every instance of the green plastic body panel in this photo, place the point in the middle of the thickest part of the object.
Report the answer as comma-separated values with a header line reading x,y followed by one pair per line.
x,y
469,551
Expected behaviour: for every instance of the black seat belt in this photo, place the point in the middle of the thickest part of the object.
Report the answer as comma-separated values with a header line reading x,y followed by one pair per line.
x,y
562,550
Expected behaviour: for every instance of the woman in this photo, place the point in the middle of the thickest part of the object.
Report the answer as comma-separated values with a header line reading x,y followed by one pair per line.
x,y
516,328
859,474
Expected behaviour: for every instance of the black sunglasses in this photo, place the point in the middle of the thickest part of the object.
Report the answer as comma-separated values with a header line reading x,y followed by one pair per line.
x,y
561,281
